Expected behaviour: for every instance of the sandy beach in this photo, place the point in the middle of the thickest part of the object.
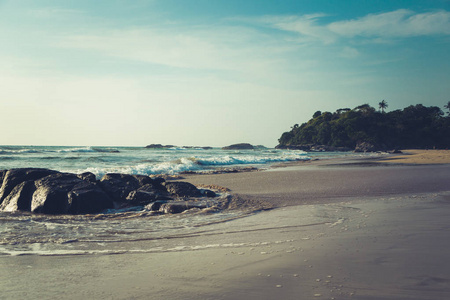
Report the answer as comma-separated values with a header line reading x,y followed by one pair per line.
x,y
421,157
341,229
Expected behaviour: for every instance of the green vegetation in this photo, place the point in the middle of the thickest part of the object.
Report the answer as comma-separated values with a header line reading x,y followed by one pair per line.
x,y
415,126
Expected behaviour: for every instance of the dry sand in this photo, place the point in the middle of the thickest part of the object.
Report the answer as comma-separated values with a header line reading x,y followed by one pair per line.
x,y
421,157
347,230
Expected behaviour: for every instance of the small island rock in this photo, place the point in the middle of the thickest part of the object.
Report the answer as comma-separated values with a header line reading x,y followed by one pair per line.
x,y
241,146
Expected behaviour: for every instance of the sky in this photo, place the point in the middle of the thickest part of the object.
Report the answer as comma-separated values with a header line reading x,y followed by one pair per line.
x,y
210,72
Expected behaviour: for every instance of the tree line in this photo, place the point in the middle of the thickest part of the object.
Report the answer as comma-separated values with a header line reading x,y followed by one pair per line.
x,y
415,126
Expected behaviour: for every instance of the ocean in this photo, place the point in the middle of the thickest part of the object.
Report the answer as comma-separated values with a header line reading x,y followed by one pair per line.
x,y
114,231
146,161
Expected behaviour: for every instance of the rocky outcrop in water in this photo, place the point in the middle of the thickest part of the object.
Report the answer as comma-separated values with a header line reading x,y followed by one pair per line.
x,y
182,189
52,192
241,146
159,146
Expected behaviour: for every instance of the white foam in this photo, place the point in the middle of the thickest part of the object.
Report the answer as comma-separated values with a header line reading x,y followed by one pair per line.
x,y
250,159
75,150
22,151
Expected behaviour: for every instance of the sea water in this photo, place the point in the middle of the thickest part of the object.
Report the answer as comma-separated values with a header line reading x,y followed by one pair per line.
x,y
112,233
146,161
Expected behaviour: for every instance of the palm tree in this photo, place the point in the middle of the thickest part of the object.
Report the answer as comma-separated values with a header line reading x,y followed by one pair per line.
x,y
383,105
447,106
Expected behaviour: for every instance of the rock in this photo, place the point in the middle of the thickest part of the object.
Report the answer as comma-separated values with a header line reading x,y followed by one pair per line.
x,y
365,147
52,192
155,206
19,198
141,198
182,189
2,175
64,193
88,198
242,146
396,151
154,146
51,195
159,180
15,177
118,186
176,207
133,190
159,146
87,176
208,193
143,180
146,195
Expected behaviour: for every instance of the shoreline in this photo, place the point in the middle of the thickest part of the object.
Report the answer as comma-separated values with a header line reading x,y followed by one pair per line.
x,y
330,180
340,228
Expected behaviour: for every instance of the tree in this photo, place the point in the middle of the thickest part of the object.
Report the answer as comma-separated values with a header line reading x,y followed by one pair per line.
x,y
383,105
342,110
416,126
365,109
447,106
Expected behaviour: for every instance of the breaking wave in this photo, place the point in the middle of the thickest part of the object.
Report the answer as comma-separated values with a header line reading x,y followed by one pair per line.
x,y
195,164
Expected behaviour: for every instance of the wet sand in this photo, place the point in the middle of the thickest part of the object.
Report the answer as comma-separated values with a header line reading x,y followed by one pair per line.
x,y
353,229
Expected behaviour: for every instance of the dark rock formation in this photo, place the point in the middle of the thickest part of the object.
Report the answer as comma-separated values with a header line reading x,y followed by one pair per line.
x,y
158,180
147,194
19,198
182,189
176,207
208,193
395,151
52,192
118,186
64,193
242,146
88,176
143,180
88,198
2,175
155,206
366,147
159,146
14,177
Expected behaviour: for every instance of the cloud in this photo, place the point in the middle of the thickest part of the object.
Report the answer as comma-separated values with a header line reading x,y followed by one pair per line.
x,y
401,23
395,24
225,49
306,26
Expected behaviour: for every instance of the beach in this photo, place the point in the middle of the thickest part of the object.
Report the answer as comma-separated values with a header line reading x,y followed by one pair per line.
x,y
421,157
369,228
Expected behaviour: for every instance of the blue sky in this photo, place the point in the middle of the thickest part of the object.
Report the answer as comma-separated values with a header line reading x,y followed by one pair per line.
x,y
210,72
